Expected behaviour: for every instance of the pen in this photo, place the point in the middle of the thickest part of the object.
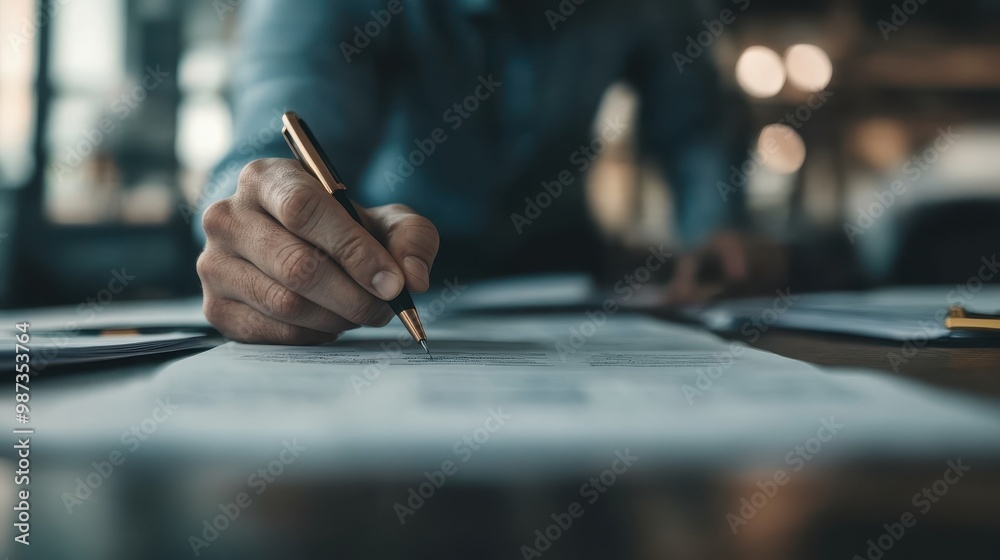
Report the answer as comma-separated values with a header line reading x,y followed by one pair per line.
x,y
313,159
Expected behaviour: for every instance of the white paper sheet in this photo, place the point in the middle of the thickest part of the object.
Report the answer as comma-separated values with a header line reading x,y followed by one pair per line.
x,y
676,393
572,393
902,313
62,348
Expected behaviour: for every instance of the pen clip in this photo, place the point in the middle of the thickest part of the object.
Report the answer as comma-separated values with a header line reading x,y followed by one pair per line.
x,y
309,153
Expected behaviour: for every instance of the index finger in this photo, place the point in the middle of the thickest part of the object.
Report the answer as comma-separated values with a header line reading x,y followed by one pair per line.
x,y
298,201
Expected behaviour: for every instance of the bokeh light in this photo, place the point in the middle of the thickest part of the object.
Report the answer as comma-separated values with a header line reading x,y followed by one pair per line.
x,y
808,66
760,72
781,148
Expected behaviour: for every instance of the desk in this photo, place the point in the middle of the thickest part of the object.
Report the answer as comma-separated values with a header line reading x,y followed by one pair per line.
x,y
827,512
974,371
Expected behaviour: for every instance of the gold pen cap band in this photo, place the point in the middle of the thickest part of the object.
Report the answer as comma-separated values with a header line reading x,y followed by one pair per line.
x,y
412,323
302,142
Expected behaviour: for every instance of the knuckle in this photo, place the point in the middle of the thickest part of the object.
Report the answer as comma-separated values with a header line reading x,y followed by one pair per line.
x,y
418,231
298,268
298,208
212,309
206,266
283,303
218,218
397,209
352,250
422,227
243,332
252,174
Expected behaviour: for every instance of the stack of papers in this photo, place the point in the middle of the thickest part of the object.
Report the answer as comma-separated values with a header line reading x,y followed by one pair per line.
x,y
181,314
51,349
901,314
81,334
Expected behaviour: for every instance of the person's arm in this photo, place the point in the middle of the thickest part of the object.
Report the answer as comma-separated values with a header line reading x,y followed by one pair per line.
x,y
689,125
283,261
290,57
697,131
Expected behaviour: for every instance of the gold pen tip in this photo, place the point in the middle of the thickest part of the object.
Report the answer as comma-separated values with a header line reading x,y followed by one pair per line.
x,y
423,342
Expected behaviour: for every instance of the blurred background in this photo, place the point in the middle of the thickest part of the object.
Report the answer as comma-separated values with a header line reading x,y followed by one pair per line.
x,y
113,112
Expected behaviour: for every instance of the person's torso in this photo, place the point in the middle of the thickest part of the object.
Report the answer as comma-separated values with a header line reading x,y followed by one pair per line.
x,y
488,102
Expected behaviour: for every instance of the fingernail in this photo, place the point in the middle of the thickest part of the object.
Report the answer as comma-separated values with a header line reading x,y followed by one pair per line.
x,y
416,267
387,284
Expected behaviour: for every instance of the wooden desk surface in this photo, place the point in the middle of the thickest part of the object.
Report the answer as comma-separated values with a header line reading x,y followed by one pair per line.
x,y
970,370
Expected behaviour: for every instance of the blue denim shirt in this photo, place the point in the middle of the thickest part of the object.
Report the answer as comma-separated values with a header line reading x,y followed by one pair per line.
x,y
463,108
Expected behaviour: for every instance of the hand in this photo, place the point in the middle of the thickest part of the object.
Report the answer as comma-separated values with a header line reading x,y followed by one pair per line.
x,y
729,264
285,263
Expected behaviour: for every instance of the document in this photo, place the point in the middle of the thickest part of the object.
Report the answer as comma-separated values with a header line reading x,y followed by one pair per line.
x,y
572,385
903,314
181,314
538,393
56,348
896,313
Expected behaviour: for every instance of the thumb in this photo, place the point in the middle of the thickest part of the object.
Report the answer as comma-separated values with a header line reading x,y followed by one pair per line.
x,y
411,239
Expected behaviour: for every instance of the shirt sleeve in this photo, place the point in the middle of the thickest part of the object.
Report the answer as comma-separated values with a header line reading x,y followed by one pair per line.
x,y
302,56
688,124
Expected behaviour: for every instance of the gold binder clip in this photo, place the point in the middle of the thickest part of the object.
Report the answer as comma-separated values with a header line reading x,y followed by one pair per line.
x,y
959,318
